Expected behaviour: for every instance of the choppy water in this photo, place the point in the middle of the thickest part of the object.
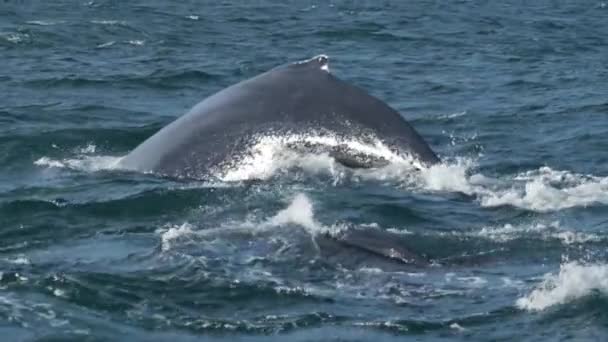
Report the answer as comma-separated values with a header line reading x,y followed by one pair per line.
x,y
512,95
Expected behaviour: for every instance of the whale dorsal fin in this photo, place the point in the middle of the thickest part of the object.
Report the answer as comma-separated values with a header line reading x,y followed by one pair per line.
x,y
318,62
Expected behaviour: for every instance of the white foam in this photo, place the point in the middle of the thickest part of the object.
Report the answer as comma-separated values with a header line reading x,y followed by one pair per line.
x,y
508,282
298,212
169,236
457,326
109,22
373,270
473,281
271,154
20,260
45,161
510,232
546,189
542,189
89,149
546,231
570,237
449,177
539,190
387,324
83,163
401,231
45,22
573,281
59,293
106,44
136,42
15,38
453,115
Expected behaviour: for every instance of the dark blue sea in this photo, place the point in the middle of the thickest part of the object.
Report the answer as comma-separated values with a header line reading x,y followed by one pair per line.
x,y
512,95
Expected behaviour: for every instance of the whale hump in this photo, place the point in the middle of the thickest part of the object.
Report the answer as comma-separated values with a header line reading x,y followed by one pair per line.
x,y
298,98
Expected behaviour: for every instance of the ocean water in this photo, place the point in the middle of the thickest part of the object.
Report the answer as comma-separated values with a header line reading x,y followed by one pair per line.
x,y
510,94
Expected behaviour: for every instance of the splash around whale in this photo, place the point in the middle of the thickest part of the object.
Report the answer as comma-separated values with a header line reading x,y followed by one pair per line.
x,y
298,99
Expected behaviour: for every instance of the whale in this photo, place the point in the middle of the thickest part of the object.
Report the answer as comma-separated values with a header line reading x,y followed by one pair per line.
x,y
296,98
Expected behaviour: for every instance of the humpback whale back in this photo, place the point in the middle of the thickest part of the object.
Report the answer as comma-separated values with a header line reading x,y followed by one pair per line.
x,y
297,98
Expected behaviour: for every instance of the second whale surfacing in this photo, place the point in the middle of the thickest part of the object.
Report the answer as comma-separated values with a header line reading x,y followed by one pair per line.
x,y
298,98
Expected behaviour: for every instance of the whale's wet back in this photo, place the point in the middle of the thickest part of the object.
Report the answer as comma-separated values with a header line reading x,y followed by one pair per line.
x,y
299,98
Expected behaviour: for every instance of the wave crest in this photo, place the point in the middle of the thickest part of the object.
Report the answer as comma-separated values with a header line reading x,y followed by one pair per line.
x,y
303,155
573,281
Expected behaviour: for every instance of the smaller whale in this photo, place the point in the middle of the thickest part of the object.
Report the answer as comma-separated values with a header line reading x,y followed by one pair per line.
x,y
300,98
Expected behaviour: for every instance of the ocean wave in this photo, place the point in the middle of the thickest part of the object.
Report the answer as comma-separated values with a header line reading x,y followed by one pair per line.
x,y
15,37
542,190
106,44
265,324
174,234
404,326
109,22
45,22
136,42
83,163
156,79
270,156
25,312
546,231
299,211
546,189
85,160
452,115
573,281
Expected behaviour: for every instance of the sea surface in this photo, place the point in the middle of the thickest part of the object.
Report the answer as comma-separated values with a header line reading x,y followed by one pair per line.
x,y
512,95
